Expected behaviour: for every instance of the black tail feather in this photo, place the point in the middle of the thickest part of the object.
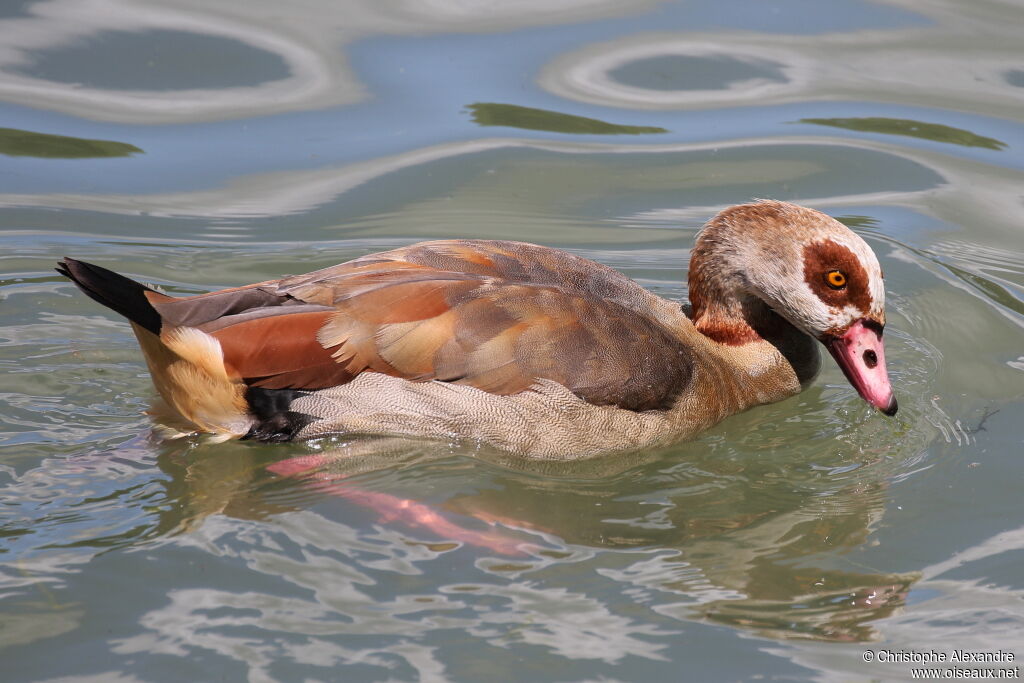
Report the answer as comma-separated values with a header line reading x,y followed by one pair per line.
x,y
114,291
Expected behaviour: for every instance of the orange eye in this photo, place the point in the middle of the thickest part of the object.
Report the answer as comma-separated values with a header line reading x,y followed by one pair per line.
x,y
835,279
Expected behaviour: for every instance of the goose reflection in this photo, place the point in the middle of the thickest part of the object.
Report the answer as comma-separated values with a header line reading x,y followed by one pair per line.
x,y
751,541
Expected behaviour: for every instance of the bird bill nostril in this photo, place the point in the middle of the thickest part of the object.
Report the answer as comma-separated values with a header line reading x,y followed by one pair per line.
x,y
860,355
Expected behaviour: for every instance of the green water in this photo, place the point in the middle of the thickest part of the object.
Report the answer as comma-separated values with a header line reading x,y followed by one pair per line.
x,y
199,148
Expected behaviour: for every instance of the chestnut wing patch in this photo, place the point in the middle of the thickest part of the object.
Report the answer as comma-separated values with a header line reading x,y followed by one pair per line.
x,y
280,351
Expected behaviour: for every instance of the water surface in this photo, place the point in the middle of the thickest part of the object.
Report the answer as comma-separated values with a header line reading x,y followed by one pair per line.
x,y
197,149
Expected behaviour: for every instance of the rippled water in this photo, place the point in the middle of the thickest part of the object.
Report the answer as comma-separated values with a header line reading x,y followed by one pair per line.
x,y
200,147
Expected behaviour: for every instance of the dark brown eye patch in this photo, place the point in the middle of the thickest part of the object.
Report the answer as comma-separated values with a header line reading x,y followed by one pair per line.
x,y
836,275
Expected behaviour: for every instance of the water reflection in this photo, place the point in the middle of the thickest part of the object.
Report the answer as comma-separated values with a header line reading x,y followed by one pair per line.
x,y
474,176
705,69
914,129
706,532
515,116
701,70
1015,78
261,61
25,143
952,612
155,60
63,28
687,72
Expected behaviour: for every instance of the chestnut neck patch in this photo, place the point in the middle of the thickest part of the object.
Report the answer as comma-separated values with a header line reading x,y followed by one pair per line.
x,y
713,310
728,332
820,258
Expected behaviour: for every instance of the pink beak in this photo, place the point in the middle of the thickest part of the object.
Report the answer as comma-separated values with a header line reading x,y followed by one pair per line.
x,y
861,356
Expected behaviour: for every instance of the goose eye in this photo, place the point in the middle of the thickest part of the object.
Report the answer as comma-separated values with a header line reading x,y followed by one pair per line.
x,y
835,279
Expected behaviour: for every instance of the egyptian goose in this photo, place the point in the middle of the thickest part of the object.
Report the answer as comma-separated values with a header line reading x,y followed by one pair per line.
x,y
531,349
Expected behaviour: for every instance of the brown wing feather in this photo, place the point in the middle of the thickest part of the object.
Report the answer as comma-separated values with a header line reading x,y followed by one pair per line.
x,y
193,311
499,316
494,315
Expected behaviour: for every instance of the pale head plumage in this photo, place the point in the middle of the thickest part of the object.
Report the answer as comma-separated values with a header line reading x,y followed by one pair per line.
x,y
781,254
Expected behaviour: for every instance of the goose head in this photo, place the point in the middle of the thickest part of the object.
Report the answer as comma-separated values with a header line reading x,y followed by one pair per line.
x,y
770,257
